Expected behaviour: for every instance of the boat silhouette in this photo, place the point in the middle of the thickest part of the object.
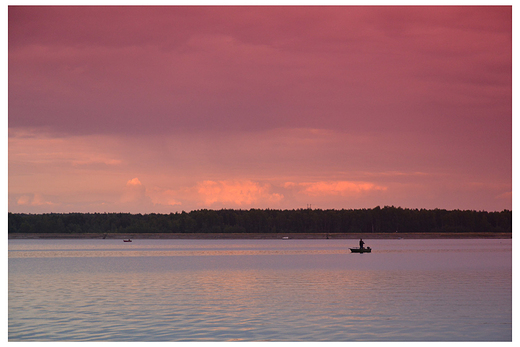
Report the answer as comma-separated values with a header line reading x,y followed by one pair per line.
x,y
361,250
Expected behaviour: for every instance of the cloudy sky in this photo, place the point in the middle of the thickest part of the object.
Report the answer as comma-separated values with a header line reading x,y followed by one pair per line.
x,y
164,109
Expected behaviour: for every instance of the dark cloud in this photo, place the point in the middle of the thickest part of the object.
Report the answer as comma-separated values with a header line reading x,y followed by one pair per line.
x,y
170,69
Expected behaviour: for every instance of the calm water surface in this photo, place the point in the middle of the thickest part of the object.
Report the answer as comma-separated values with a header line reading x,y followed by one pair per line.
x,y
259,290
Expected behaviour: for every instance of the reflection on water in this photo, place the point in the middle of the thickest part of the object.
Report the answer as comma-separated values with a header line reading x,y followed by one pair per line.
x,y
259,290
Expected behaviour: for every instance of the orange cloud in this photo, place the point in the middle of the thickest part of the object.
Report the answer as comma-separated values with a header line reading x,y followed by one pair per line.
x,y
289,184
36,200
236,192
134,182
134,191
343,188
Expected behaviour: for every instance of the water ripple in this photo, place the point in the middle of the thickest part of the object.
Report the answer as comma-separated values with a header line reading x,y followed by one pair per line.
x,y
301,294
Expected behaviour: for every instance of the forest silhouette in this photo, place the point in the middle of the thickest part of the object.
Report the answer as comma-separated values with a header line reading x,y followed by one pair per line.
x,y
388,219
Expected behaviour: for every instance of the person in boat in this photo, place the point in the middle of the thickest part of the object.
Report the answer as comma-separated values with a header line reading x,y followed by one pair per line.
x,y
361,243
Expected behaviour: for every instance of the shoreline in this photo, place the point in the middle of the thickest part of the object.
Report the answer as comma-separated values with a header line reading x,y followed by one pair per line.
x,y
274,236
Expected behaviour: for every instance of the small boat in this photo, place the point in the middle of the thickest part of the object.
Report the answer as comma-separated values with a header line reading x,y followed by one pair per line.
x,y
127,240
285,238
361,250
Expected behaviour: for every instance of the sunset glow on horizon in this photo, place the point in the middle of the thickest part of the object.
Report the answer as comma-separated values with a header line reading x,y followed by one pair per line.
x,y
169,109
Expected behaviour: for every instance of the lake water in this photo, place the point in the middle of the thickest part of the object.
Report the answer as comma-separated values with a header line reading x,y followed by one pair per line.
x,y
259,290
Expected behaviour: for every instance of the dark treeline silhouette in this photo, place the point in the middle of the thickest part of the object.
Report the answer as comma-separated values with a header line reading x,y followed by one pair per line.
x,y
378,220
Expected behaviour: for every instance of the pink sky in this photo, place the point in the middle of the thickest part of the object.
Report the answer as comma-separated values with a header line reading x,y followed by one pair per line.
x,y
164,109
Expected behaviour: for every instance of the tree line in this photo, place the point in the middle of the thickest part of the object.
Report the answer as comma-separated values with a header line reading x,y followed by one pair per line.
x,y
380,220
